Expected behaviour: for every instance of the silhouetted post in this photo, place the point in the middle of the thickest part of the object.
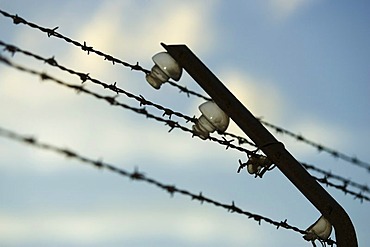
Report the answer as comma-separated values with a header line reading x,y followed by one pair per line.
x,y
275,151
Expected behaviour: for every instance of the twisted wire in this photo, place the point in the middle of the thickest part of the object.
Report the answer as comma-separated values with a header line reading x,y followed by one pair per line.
x,y
89,49
52,32
343,188
112,100
140,176
329,175
321,148
113,87
86,77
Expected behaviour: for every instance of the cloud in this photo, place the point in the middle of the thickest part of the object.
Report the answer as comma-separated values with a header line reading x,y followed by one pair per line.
x,y
132,31
263,99
124,224
258,95
283,9
330,134
60,116
129,30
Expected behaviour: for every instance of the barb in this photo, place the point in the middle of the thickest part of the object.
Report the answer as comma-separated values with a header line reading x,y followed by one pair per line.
x,y
187,91
136,175
112,100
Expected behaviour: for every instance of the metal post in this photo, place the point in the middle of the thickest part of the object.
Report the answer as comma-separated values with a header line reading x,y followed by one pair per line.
x,y
274,150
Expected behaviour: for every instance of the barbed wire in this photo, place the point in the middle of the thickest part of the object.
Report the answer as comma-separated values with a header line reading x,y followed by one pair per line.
x,y
166,111
329,175
136,175
112,100
89,49
85,76
319,147
361,195
12,49
113,87
52,32
343,188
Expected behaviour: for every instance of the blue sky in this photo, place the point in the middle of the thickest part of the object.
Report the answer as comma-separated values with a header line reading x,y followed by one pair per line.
x,y
303,65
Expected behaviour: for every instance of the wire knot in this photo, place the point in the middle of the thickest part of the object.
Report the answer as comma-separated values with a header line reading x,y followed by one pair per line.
x,y
17,19
87,48
199,197
51,61
170,189
51,32
11,49
83,77
172,124
136,175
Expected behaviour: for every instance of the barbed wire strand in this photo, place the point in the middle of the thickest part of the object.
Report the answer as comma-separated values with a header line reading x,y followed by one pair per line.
x,y
89,49
112,100
136,175
343,188
52,32
330,175
166,111
319,147
12,49
144,102
86,77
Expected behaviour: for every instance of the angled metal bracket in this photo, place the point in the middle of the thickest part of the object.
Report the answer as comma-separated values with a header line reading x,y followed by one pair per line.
x,y
275,150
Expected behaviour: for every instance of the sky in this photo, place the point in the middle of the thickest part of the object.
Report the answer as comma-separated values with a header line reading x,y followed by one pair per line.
x,y
300,64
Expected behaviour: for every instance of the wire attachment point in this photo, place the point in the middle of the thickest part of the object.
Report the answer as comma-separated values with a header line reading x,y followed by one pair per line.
x,y
257,164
